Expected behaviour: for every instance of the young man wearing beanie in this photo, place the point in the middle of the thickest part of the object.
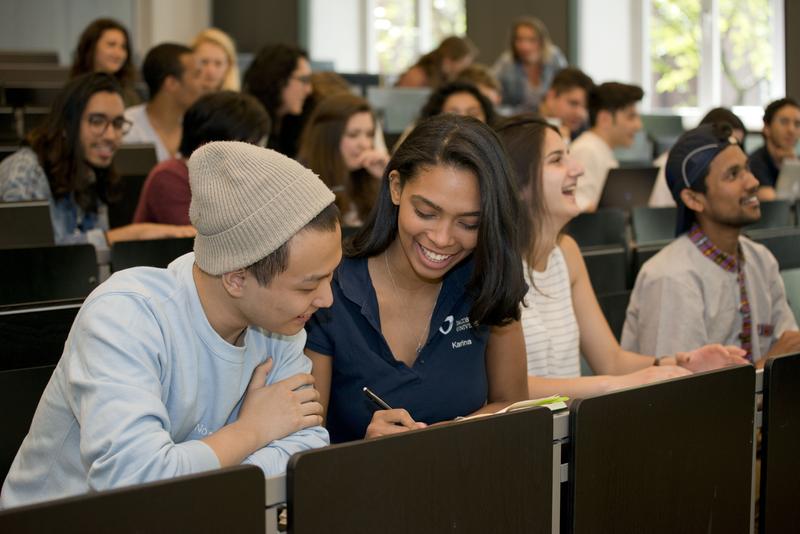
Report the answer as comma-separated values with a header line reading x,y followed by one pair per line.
x,y
712,284
174,371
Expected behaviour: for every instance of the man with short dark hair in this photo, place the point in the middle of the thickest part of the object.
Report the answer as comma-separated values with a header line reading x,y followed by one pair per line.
x,y
174,80
781,132
565,102
712,284
174,371
614,121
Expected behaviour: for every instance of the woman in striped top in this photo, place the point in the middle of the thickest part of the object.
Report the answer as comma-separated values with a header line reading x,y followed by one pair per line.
x,y
562,317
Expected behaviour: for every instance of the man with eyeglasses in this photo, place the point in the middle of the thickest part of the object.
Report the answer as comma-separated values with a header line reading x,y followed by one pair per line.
x,y
781,132
711,284
174,79
67,161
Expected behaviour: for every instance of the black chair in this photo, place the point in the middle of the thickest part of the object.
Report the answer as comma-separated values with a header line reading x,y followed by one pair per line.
x,y
151,253
9,127
21,73
784,243
653,225
642,253
223,500
605,227
774,214
780,465
615,306
608,269
133,163
20,391
674,456
362,81
40,274
38,94
29,56
492,474
35,335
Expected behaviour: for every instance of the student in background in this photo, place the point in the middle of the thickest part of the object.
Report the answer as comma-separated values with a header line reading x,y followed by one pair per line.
x,y
562,318
711,284
661,196
613,123
220,116
527,68
566,102
280,78
172,74
105,46
426,301
441,65
175,371
481,77
68,162
216,52
338,144
459,98
781,132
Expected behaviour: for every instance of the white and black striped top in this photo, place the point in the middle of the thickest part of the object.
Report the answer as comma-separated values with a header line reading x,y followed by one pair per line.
x,y
548,322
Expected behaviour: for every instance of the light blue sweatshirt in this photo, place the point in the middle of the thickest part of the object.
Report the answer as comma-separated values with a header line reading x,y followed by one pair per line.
x,y
143,378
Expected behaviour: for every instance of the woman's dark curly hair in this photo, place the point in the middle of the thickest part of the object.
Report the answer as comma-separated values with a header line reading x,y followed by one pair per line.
x,y
83,61
269,73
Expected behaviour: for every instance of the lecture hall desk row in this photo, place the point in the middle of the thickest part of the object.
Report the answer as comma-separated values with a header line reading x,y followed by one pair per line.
x,y
676,456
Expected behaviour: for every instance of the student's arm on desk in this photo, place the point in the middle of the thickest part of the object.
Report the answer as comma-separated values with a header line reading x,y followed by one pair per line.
x,y
273,457
505,367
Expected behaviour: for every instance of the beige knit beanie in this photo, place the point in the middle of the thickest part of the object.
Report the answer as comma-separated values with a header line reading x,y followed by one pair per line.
x,y
246,202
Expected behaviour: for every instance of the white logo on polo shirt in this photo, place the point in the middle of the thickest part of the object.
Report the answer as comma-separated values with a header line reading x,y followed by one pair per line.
x,y
448,323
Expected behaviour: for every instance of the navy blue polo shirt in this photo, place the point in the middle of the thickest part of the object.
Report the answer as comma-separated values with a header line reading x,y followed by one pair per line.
x,y
447,380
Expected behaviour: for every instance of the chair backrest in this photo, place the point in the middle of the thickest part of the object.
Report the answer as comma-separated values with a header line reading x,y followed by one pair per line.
x,y
492,474
615,306
663,130
653,225
39,94
39,274
9,126
19,73
151,253
784,243
608,269
791,281
640,454
20,391
35,335
133,163
780,464
605,227
642,253
49,57
774,214
642,149
362,81
223,500
397,106
25,224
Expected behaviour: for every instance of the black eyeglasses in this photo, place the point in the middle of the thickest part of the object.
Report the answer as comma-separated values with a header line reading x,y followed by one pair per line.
x,y
98,124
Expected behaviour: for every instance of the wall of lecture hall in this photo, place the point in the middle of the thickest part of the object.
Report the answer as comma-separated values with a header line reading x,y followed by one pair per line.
x,y
57,24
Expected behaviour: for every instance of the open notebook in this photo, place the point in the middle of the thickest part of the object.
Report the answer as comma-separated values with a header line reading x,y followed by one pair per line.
x,y
555,402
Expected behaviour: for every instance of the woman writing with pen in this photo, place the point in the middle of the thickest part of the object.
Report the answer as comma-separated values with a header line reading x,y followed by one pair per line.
x,y
426,301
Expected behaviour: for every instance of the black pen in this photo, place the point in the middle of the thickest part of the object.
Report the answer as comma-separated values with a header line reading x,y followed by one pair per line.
x,y
376,399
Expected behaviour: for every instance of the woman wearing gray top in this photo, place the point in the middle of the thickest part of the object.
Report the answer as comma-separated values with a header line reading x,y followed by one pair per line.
x,y
526,70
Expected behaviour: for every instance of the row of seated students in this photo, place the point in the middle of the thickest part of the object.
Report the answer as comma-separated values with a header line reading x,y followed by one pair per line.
x,y
435,306
258,344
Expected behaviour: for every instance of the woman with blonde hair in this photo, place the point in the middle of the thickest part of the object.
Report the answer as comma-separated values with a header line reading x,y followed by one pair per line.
x,y
216,52
527,68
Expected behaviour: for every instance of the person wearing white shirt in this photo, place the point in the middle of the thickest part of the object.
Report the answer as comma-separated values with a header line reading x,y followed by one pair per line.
x,y
614,121
174,79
